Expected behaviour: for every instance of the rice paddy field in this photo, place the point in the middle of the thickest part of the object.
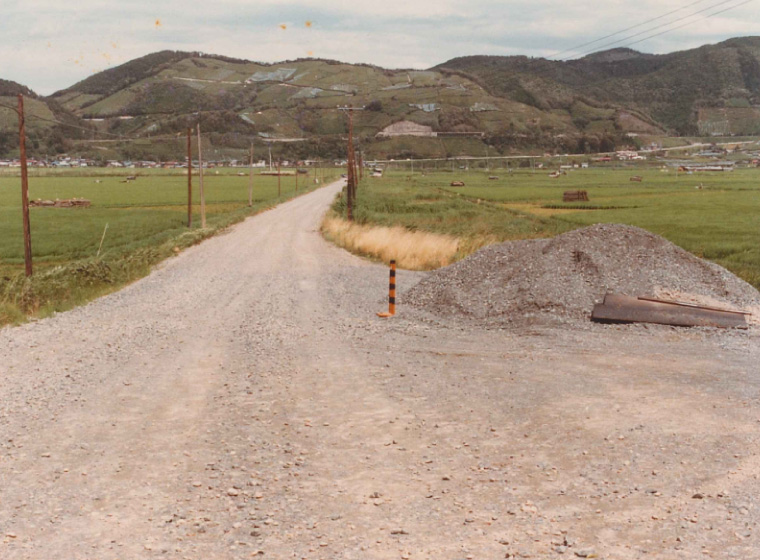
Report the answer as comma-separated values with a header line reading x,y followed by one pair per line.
x,y
715,215
146,221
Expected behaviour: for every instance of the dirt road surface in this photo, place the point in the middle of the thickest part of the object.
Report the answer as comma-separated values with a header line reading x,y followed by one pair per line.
x,y
243,401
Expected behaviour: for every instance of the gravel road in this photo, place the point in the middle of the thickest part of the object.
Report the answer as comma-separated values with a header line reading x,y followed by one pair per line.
x,y
244,401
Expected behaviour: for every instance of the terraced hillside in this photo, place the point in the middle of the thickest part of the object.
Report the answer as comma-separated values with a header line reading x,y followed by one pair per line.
x,y
470,105
296,99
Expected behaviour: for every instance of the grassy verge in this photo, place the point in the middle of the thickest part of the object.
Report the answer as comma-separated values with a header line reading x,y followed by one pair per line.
x,y
146,224
417,203
713,215
413,250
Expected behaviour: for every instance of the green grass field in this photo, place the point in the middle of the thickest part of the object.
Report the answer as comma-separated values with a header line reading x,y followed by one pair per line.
x,y
146,221
719,221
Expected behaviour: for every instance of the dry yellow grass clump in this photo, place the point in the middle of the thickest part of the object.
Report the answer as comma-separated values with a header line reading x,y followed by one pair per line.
x,y
413,250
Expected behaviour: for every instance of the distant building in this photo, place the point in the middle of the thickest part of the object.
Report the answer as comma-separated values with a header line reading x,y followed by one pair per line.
x,y
628,155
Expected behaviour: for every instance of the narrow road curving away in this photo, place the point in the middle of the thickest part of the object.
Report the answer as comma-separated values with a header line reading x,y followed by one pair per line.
x,y
243,401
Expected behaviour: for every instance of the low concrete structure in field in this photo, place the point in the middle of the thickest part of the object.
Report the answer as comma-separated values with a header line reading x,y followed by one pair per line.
x,y
406,128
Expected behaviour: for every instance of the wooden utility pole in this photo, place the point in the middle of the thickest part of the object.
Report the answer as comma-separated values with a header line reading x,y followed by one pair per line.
x,y
24,188
350,168
250,178
200,180
351,164
279,188
189,177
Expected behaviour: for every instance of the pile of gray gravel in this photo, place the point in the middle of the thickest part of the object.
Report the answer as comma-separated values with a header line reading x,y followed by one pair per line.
x,y
562,278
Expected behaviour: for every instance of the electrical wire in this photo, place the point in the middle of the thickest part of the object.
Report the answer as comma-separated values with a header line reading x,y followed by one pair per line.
x,y
127,138
77,127
516,74
689,23
577,47
14,109
660,27
118,138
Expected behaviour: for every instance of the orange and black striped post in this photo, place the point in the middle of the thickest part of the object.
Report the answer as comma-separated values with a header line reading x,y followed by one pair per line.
x,y
391,293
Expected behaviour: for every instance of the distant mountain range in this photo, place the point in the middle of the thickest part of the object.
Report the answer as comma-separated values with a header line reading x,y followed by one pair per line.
x,y
507,103
714,89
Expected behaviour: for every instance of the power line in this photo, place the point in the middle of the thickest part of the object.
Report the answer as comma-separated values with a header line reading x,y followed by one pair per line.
x,y
14,109
545,70
32,116
116,136
576,47
127,138
122,138
74,126
661,26
689,23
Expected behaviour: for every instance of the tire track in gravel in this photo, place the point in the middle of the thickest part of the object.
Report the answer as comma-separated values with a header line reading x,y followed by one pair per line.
x,y
106,410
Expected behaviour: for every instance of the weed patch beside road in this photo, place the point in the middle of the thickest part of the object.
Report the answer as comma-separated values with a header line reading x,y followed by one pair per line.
x,y
413,250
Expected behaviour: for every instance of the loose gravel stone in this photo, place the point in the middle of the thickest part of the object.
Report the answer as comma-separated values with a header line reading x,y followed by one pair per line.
x,y
222,370
559,280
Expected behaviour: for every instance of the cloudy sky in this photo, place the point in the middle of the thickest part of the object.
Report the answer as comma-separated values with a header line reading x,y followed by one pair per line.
x,y
51,44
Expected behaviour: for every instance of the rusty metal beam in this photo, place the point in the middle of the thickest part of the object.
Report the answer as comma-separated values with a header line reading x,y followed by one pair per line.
x,y
625,309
